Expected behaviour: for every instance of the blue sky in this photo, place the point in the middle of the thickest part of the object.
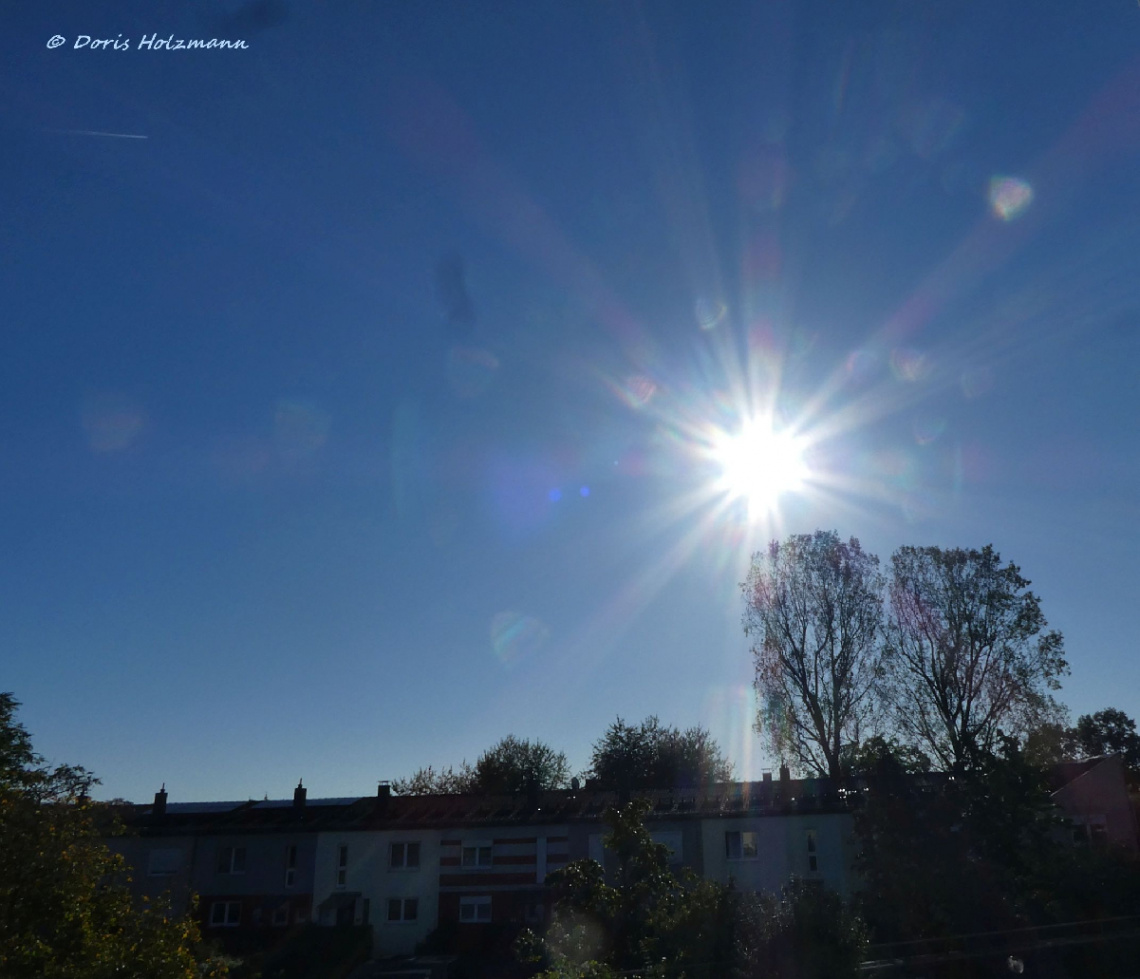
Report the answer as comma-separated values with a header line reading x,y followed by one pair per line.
x,y
270,512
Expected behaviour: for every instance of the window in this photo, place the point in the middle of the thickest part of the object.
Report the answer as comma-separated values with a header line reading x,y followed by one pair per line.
x,y
225,914
163,863
404,856
741,845
290,865
281,916
231,860
341,865
477,855
403,908
812,854
1090,829
474,909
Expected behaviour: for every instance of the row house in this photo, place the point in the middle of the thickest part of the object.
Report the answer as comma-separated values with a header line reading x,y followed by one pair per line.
x,y
466,867
407,866
250,863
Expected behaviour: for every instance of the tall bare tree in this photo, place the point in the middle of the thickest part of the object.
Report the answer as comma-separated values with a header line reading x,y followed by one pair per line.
x,y
813,608
967,652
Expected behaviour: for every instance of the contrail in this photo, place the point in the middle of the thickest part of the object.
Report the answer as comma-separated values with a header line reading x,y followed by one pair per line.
x,y
94,132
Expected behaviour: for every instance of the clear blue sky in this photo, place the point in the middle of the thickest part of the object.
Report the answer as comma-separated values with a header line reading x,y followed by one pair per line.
x,y
270,510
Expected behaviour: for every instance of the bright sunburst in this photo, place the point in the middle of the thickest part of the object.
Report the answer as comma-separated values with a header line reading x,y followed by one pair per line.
x,y
758,465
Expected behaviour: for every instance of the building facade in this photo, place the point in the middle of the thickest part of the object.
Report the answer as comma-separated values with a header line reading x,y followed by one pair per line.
x,y
454,870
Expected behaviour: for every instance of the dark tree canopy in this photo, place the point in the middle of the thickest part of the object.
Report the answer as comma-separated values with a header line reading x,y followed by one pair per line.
x,y
517,765
813,609
968,655
651,755
644,920
870,756
512,766
64,911
1108,732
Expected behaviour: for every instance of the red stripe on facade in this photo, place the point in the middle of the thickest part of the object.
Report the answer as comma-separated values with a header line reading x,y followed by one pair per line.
x,y
558,839
450,842
449,861
521,839
524,859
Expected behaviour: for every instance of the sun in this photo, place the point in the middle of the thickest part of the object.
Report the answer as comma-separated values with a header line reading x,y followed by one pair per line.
x,y
759,465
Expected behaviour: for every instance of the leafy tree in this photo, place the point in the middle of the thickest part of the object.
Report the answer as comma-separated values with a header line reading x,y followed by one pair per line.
x,y
1048,743
427,781
597,925
516,765
967,653
652,923
814,611
952,855
1108,732
803,933
512,766
867,757
64,910
653,756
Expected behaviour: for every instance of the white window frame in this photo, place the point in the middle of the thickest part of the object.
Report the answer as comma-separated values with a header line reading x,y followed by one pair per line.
x,y
404,904
479,908
740,849
404,849
478,850
231,864
230,914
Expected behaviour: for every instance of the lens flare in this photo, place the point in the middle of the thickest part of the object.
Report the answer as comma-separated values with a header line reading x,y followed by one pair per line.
x,y
516,636
759,465
709,313
1009,197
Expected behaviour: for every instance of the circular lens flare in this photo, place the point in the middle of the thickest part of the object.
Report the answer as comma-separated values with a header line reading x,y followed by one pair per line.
x,y
759,465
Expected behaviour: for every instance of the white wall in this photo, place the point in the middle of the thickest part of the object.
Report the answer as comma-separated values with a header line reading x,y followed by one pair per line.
x,y
782,850
370,875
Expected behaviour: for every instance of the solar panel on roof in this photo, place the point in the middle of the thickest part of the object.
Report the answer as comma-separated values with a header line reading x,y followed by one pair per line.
x,y
192,807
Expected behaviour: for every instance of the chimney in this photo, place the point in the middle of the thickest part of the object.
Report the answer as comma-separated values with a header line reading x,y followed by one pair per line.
x,y
785,775
767,775
159,802
384,791
299,794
